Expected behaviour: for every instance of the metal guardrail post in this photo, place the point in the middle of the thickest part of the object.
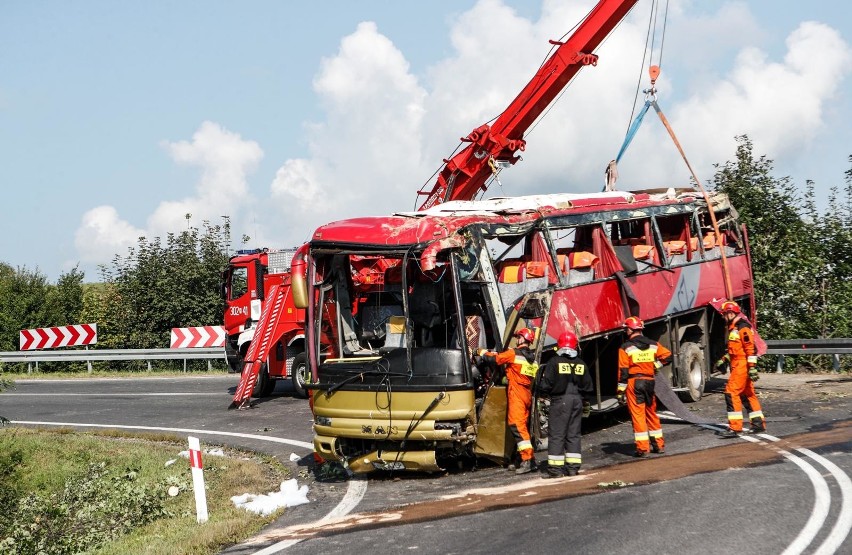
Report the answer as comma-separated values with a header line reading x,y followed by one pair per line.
x,y
835,362
779,365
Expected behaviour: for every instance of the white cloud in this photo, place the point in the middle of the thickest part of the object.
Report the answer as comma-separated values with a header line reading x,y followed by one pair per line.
x,y
779,104
386,129
102,234
225,160
368,150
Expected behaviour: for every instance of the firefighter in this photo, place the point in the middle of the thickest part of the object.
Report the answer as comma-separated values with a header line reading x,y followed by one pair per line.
x,y
638,358
520,371
566,380
742,357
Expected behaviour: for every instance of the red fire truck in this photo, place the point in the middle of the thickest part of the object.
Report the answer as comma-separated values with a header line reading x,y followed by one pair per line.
x,y
245,283
397,306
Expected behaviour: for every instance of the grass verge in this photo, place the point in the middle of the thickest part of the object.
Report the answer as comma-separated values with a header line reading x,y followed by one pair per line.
x,y
61,490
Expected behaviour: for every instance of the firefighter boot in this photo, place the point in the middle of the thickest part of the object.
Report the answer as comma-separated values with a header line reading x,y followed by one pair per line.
x,y
656,449
572,470
729,434
524,467
758,426
553,472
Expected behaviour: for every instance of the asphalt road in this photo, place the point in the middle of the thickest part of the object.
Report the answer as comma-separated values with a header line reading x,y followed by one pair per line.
x,y
788,491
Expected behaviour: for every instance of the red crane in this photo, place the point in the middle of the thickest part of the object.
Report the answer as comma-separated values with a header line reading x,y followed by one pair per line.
x,y
466,173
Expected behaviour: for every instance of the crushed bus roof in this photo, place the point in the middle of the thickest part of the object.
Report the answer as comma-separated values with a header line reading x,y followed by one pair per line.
x,y
441,221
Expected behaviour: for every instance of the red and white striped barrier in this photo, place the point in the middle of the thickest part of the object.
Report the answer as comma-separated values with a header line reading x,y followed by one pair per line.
x,y
203,336
197,479
61,336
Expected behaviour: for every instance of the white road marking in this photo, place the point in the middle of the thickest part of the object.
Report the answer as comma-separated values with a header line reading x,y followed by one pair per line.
x,y
822,494
355,489
271,439
844,518
354,493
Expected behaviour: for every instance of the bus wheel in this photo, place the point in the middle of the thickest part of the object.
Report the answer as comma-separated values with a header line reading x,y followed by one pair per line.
x,y
691,373
300,375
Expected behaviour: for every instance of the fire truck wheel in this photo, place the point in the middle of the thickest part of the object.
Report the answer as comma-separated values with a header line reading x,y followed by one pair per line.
x,y
300,375
692,373
264,385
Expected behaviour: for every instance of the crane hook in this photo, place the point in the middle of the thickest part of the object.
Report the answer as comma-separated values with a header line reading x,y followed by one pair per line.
x,y
651,93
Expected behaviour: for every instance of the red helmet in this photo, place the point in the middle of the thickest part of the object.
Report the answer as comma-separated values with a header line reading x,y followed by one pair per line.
x,y
526,333
567,339
730,306
634,323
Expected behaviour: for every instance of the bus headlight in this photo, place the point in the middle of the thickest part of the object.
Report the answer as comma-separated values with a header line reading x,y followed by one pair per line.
x,y
322,421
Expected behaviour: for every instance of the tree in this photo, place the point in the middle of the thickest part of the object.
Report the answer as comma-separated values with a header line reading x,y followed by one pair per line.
x,y
23,294
160,286
785,251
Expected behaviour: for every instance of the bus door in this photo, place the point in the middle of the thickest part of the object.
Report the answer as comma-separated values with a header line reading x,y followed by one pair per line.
x,y
493,439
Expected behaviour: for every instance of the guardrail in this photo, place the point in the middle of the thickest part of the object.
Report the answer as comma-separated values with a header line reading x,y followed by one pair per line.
x,y
29,357
834,347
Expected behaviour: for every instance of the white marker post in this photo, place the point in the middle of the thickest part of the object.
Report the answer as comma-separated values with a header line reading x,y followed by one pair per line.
x,y
198,479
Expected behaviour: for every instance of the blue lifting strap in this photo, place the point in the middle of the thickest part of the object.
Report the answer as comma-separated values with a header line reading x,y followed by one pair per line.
x,y
632,131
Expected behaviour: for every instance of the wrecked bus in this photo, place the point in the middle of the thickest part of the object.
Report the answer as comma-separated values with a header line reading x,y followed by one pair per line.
x,y
400,304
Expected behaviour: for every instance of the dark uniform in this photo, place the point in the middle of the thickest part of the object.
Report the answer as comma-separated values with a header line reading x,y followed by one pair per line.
x,y
568,383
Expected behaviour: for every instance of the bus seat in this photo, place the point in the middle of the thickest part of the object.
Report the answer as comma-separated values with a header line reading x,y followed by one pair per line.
x,y
676,252
536,276
644,254
512,271
374,317
581,267
474,334
394,333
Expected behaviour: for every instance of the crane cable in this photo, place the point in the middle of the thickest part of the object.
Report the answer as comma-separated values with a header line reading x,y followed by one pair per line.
x,y
718,236
651,101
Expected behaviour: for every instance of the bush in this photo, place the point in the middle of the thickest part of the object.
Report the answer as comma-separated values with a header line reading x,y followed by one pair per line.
x,y
92,509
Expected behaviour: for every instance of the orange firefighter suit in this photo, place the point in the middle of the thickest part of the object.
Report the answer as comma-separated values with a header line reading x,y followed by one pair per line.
x,y
638,358
740,389
519,374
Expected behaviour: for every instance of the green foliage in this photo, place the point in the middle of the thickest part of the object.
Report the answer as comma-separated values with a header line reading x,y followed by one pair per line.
x,y
92,509
28,301
159,286
23,295
58,496
10,462
801,259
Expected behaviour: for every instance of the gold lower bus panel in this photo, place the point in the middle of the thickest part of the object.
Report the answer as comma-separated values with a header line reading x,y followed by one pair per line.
x,y
383,420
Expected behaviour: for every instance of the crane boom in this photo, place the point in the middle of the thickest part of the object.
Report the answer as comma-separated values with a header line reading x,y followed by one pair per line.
x,y
466,173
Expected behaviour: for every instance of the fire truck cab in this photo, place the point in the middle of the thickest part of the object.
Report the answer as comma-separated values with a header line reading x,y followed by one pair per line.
x,y
245,282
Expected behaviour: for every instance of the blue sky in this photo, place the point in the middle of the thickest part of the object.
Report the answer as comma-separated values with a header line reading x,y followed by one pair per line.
x,y
118,118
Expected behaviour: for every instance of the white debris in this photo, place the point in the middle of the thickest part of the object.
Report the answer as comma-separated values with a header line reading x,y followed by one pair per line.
x,y
170,462
212,452
289,495
294,457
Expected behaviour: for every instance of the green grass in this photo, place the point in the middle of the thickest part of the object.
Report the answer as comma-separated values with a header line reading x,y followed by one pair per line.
x,y
51,458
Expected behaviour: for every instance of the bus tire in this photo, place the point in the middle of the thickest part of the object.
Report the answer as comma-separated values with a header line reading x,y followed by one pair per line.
x,y
300,375
691,373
